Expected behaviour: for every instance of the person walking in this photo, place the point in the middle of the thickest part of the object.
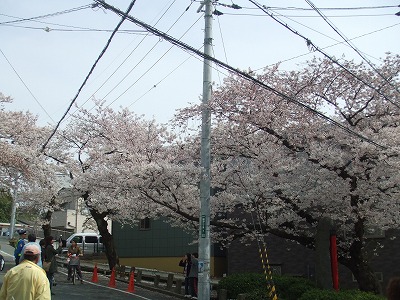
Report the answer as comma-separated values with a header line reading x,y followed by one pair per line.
x,y
20,245
27,280
193,275
50,256
32,240
185,262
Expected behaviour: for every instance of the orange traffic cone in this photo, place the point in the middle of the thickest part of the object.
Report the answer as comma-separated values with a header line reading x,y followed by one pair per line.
x,y
94,277
112,279
131,286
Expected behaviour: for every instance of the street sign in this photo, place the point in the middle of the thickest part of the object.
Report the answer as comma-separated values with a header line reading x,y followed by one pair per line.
x,y
203,226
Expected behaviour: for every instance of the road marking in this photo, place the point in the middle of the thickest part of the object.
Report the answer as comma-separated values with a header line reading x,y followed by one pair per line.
x,y
6,254
114,289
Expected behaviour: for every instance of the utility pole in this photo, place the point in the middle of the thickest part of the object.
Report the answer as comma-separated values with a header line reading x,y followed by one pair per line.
x,y
13,208
204,228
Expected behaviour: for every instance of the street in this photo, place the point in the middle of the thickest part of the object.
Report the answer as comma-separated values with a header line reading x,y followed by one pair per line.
x,y
65,289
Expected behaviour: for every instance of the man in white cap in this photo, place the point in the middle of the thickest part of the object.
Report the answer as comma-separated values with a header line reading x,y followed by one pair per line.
x,y
27,280
31,240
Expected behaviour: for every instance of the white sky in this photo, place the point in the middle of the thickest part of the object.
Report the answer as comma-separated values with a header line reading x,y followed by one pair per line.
x,y
53,63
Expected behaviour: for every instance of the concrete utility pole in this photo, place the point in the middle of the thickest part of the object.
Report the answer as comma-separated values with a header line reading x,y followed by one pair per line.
x,y
13,208
204,230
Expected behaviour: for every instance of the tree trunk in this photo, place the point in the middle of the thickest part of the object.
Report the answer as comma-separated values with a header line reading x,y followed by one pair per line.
x,y
102,226
108,240
363,273
46,226
358,264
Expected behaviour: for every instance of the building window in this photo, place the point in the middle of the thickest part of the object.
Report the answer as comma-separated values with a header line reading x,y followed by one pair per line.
x,y
144,224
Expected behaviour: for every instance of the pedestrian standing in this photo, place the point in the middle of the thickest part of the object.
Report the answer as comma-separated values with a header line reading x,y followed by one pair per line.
x,y
42,244
26,281
20,245
50,256
193,275
185,262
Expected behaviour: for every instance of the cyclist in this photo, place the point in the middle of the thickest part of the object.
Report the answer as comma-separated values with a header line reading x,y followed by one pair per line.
x,y
74,251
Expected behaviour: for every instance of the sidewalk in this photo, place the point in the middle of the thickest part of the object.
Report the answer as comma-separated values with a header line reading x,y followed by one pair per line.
x,y
168,283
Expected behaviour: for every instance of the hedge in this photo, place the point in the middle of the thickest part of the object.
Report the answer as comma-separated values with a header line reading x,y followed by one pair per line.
x,y
287,288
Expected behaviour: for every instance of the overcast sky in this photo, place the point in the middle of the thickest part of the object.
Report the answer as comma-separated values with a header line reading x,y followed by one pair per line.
x,y
44,61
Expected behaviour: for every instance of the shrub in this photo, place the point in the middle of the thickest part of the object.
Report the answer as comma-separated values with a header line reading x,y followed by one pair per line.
x,y
291,288
255,285
318,294
241,283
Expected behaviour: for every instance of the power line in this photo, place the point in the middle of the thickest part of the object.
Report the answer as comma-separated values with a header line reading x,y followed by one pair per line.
x,y
311,45
161,80
351,44
304,16
129,55
338,43
78,29
322,8
142,59
236,71
87,77
23,82
48,15
153,65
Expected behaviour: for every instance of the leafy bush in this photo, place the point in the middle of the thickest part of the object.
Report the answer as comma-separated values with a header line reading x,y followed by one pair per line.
x,y
318,294
291,288
241,283
255,285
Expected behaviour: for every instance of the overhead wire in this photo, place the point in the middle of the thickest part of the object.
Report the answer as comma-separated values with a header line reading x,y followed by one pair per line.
x,y
321,33
311,45
308,53
26,86
47,15
47,29
322,8
90,72
75,28
161,80
310,16
152,66
223,47
126,58
347,41
238,72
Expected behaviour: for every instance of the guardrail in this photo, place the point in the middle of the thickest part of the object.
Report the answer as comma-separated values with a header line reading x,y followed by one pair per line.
x,y
152,279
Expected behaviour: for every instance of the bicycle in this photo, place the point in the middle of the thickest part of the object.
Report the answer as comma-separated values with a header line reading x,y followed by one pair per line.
x,y
73,263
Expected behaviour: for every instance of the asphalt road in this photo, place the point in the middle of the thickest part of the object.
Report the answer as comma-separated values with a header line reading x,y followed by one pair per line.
x,y
88,290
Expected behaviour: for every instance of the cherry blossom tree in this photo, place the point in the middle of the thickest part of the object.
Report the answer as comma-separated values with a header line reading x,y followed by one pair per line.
x,y
24,168
273,156
110,153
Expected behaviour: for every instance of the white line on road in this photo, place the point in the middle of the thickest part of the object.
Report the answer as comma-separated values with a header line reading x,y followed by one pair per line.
x,y
6,254
107,287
